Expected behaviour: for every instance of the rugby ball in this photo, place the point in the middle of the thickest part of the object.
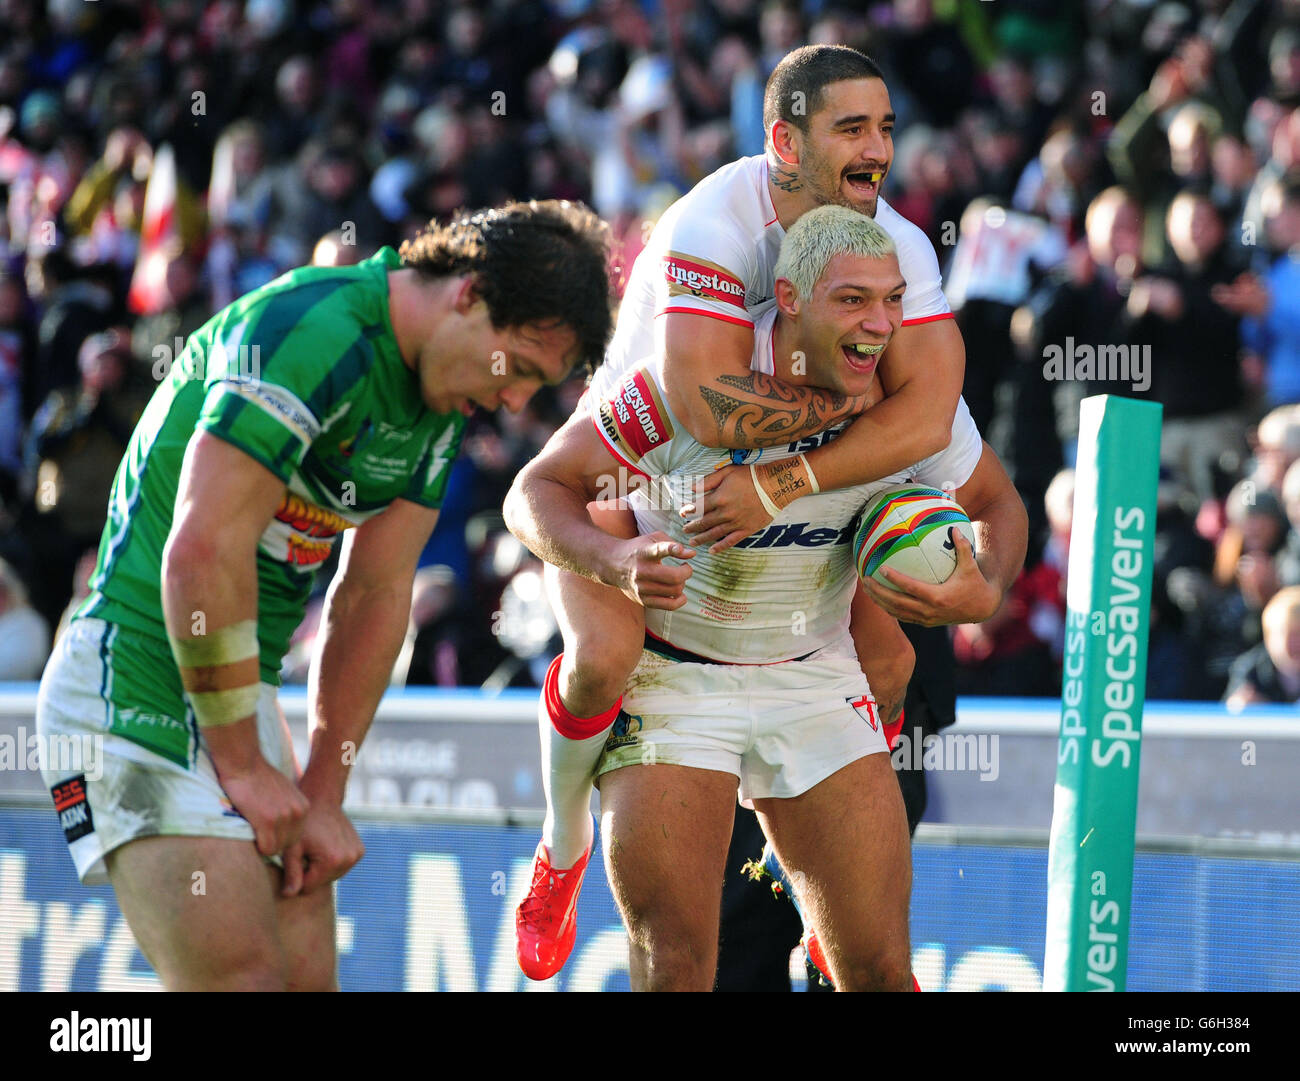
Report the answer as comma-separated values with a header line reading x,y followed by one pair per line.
x,y
906,528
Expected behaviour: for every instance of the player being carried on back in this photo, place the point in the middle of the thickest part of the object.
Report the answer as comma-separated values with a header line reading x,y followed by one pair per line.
x,y
710,258
749,675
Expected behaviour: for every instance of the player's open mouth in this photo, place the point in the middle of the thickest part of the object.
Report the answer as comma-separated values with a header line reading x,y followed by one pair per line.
x,y
862,356
866,182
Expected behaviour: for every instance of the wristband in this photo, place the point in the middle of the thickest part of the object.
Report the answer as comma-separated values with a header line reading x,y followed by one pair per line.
x,y
763,497
215,709
812,477
225,645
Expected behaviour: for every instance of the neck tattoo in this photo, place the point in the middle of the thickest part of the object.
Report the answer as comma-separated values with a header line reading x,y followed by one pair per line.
x,y
785,179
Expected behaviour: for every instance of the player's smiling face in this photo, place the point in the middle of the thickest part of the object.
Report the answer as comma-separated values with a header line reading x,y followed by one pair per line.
x,y
846,153
843,328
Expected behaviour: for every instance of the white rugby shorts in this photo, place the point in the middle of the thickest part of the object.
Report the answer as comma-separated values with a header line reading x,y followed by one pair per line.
x,y
779,728
122,790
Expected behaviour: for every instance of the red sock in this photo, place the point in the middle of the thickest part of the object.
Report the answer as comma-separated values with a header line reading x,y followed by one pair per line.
x,y
566,723
892,730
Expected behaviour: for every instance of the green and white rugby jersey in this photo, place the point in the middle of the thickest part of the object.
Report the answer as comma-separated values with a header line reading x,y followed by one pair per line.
x,y
304,376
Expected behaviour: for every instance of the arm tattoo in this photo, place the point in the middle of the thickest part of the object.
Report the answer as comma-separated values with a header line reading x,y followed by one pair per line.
x,y
765,412
785,179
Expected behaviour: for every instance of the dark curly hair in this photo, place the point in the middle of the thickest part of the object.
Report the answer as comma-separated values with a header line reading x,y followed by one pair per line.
x,y
544,262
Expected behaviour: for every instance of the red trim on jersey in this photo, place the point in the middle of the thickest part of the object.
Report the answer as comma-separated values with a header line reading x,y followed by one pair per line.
x,y
569,725
611,448
927,319
712,315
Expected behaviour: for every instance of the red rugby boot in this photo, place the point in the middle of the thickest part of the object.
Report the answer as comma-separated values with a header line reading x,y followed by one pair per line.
x,y
546,921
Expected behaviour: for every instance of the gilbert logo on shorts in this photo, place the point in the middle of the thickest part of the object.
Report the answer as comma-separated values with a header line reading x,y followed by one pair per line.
x,y
700,278
72,808
865,707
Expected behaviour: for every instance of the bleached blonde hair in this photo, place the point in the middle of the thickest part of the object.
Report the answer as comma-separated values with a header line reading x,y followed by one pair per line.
x,y
820,235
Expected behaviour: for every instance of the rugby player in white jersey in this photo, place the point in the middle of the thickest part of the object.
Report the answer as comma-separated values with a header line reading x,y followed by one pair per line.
x,y
752,678
829,123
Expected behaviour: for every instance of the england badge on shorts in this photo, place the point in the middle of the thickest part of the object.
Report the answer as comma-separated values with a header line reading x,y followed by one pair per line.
x,y
865,707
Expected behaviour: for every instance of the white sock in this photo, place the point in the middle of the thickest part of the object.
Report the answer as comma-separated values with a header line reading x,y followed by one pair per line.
x,y
568,768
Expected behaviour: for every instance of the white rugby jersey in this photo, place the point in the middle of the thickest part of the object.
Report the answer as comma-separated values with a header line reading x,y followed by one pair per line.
x,y
714,252
784,591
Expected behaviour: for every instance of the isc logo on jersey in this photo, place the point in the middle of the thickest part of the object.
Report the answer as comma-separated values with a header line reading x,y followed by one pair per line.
x,y
700,278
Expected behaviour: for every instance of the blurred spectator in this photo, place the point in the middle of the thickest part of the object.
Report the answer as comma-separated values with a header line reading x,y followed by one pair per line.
x,y
1175,666
79,436
184,310
1018,650
1277,448
1233,164
237,161
1271,671
1155,164
293,117
325,189
16,348
1194,371
1084,300
73,306
931,60
1223,614
1271,301
999,256
1015,101
1279,132
104,209
1289,559
24,635
1061,182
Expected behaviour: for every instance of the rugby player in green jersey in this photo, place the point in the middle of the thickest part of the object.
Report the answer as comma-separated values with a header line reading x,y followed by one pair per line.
x,y
331,401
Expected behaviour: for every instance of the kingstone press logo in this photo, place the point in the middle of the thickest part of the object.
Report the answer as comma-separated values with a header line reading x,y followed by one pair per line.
x,y
700,278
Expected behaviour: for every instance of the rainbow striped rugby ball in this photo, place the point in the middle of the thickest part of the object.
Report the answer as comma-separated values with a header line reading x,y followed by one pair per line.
x,y
906,528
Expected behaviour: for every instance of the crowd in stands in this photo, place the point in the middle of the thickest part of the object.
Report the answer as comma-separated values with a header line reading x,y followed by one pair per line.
x,y
1112,186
